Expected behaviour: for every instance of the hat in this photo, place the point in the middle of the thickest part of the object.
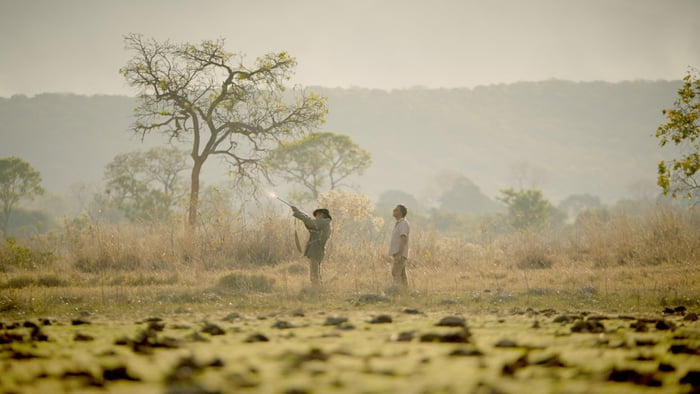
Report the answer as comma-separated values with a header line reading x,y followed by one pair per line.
x,y
323,211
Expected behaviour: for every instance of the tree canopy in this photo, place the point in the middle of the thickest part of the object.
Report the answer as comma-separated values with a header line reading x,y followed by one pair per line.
x,y
18,180
319,162
682,128
146,185
207,97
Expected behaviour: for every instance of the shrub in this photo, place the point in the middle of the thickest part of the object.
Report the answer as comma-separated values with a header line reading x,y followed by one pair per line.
x,y
17,256
244,283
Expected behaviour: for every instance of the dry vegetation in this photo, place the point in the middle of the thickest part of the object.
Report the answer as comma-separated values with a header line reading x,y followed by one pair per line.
x,y
605,261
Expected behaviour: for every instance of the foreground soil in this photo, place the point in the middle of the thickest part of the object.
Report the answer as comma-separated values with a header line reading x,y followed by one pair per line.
x,y
381,348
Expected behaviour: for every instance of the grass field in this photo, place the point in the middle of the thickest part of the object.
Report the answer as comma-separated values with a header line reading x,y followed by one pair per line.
x,y
608,304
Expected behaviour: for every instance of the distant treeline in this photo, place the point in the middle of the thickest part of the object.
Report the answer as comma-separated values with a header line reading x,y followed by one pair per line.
x,y
562,137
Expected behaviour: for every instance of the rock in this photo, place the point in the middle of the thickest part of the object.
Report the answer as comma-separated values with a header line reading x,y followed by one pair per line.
x,y
406,336
335,321
665,367
470,352
118,373
664,325
410,311
588,326
256,338
231,316
692,378
633,376
83,337
691,317
79,322
283,325
506,343
461,336
212,329
452,321
381,319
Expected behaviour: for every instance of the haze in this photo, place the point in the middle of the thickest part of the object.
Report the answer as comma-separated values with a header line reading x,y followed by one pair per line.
x,y
77,46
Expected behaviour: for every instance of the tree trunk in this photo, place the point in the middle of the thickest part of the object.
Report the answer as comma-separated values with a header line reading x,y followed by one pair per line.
x,y
194,195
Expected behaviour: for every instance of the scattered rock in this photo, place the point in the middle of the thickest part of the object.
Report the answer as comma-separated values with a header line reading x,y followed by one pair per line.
x,y
633,376
680,310
664,325
588,326
684,349
156,326
406,336
29,324
509,369
231,316
691,317
461,336
452,321
83,337
506,343
212,329
565,319
118,373
692,378
335,321
550,361
256,338
381,319
38,335
283,325
196,337
469,352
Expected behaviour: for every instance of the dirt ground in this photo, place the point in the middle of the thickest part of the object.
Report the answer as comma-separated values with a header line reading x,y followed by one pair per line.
x,y
374,348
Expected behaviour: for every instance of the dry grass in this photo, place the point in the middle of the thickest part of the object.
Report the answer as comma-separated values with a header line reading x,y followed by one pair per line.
x,y
606,261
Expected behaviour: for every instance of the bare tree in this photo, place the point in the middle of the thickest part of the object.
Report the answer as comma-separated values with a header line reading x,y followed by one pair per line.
x,y
206,97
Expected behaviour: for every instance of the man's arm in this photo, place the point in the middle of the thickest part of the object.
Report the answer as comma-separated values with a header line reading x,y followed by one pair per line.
x,y
308,222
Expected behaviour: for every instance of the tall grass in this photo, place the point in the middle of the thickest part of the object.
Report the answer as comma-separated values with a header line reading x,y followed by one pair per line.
x,y
606,259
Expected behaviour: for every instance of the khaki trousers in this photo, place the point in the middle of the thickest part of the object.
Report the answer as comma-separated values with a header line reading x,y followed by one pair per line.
x,y
398,271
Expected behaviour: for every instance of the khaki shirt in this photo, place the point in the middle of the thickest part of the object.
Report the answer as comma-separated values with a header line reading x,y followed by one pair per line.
x,y
400,228
319,232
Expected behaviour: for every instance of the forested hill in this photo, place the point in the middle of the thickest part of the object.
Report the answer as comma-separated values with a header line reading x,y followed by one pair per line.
x,y
560,136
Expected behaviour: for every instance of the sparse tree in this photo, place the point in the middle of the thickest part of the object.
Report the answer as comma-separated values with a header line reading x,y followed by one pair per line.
x,y
207,97
146,185
318,161
682,128
18,180
527,209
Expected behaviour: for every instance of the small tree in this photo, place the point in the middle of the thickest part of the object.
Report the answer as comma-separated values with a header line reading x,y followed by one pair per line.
x,y
318,161
683,129
146,185
207,97
18,180
527,209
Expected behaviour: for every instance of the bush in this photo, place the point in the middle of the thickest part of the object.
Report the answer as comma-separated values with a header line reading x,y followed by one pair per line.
x,y
17,256
246,283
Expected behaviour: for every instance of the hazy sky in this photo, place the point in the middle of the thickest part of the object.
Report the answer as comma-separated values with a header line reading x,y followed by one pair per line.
x,y
77,45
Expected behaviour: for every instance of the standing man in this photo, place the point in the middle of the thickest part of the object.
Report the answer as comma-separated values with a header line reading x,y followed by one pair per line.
x,y
398,249
319,231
